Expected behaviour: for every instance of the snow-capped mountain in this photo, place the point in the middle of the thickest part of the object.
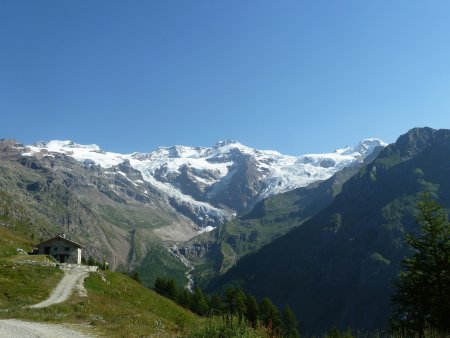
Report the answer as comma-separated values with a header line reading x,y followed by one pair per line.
x,y
212,184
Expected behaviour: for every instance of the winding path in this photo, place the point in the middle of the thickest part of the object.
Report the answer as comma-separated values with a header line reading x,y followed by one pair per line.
x,y
70,281
13,328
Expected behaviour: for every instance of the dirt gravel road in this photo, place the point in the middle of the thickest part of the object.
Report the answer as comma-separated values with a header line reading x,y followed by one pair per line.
x,y
13,328
70,281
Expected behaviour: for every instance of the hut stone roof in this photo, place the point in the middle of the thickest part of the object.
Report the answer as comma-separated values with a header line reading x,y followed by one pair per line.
x,y
61,238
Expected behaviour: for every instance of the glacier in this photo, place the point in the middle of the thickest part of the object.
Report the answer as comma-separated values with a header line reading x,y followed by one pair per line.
x,y
195,176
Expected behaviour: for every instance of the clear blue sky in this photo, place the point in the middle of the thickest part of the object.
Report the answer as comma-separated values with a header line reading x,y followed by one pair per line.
x,y
293,76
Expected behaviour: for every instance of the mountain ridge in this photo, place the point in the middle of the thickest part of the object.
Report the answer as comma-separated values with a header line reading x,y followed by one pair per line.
x,y
115,202
337,269
214,183
213,253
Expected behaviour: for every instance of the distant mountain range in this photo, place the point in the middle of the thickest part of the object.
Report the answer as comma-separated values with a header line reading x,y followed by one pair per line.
x,y
211,185
130,208
320,232
213,253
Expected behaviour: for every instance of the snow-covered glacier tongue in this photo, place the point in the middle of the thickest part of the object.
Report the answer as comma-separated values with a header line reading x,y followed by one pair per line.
x,y
210,185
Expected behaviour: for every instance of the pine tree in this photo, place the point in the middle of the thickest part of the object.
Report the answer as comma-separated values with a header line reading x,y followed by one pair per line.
x,y
333,333
166,287
289,323
185,298
251,310
216,305
199,303
135,276
160,285
172,289
423,288
269,314
235,301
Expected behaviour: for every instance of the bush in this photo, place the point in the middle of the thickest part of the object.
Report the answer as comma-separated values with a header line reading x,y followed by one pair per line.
x,y
227,327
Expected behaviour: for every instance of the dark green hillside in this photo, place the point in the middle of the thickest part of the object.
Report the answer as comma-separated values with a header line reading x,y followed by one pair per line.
x,y
215,252
269,219
338,268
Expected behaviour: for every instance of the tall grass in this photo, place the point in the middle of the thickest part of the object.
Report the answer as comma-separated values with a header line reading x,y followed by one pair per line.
x,y
227,327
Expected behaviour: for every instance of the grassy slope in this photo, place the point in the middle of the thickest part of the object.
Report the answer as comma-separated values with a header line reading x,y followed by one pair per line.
x,y
116,306
10,241
22,285
159,262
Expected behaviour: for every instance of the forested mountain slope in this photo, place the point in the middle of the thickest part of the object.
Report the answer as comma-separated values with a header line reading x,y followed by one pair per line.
x,y
213,253
337,269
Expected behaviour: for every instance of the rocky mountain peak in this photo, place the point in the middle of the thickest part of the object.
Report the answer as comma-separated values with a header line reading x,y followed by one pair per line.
x,y
415,140
363,148
367,146
223,143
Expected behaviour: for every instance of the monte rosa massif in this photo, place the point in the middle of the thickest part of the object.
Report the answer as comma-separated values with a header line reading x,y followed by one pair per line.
x,y
211,185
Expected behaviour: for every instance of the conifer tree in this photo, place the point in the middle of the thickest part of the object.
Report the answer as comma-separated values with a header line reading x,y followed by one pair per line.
x,y
423,288
135,276
199,303
216,305
235,301
160,285
251,310
185,298
269,314
289,323
172,289
166,287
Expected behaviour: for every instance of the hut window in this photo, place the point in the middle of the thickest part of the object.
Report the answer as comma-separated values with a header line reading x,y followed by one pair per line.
x,y
67,248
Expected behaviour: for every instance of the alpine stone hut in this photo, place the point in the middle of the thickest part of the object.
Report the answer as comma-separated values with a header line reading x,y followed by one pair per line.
x,y
61,248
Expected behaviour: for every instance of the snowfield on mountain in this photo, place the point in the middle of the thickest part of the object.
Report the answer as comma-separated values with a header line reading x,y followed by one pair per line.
x,y
208,179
